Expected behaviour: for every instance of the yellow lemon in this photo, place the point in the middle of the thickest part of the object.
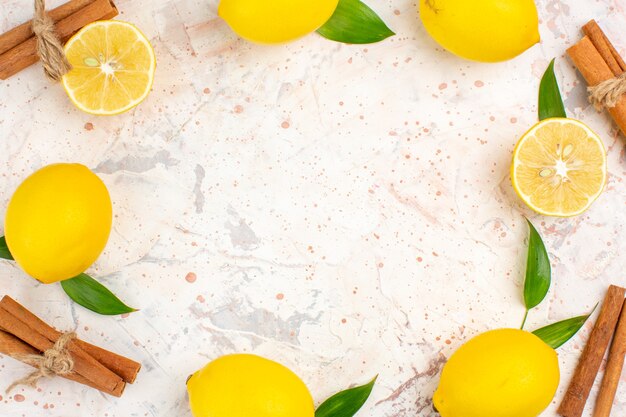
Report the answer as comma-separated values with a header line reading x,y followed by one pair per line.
x,y
559,167
58,222
275,21
482,30
500,373
245,385
112,67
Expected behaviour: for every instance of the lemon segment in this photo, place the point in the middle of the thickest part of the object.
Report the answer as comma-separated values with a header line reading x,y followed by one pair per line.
x,y
482,30
58,222
113,67
559,167
500,373
275,21
246,385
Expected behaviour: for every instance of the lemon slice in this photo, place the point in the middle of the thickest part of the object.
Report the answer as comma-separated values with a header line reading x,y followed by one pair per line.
x,y
112,67
559,167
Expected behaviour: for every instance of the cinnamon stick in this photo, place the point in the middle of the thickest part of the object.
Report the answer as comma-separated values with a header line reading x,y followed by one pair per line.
x,y
17,349
126,368
577,393
25,53
23,32
84,365
613,371
594,69
605,47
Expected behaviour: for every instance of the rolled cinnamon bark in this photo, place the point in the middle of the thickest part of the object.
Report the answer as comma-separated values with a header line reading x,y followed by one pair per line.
x,y
604,47
586,372
613,372
23,32
15,348
126,368
25,53
84,365
595,70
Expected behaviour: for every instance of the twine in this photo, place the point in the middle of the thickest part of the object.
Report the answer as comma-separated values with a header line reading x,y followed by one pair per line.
x,y
54,361
49,47
608,93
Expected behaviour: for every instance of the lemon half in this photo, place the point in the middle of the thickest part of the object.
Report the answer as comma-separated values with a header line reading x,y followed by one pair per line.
x,y
112,67
559,167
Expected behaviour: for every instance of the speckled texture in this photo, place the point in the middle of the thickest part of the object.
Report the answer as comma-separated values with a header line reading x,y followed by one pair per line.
x,y
345,210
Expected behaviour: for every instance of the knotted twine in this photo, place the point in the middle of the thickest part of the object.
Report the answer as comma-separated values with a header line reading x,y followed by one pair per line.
x,y
49,47
54,361
608,93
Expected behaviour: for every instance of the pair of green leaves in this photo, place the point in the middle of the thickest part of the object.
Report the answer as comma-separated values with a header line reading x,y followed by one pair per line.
x,y
84,290
355,22
346,403
538,271
536,286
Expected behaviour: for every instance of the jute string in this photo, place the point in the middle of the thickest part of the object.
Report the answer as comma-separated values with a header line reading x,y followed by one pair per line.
x,y
49,47
54,361
608,93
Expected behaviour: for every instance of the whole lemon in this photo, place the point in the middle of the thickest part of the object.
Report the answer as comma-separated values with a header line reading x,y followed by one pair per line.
x,y
58,222
482,30
500,373
245,385
275,21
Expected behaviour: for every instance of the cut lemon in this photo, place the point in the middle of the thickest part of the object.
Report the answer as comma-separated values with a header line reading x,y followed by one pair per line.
x,y
559,167
112,67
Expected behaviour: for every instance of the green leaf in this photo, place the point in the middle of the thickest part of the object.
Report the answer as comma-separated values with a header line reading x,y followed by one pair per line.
x,y
538,271
555,335
550,102
354,22
346,403
4,249
94,296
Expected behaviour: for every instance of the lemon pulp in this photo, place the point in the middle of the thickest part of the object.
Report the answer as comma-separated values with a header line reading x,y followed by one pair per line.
x,y
559,167
112,67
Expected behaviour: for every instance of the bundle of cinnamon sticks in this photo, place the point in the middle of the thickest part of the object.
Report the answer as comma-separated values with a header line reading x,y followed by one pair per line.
x,y
611,323
18,47
22,334
597,60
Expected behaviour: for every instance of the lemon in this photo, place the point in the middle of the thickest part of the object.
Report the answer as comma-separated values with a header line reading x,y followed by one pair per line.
x,y
500,373
245,385
112,67
58,222
559,167
275,21
482,30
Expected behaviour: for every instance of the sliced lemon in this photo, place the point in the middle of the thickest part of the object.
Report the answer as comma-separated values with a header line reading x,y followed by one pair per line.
x,y
559,167
112,67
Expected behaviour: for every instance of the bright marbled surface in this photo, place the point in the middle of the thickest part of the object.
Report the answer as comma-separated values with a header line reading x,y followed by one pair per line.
x,y
345,210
